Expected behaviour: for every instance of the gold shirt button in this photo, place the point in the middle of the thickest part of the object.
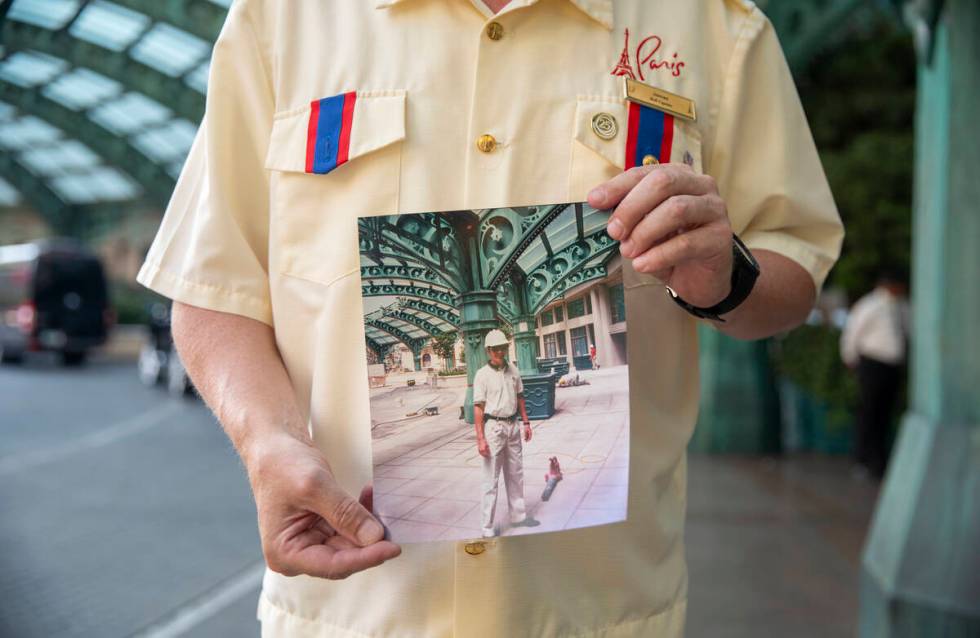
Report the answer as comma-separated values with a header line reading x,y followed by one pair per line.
x,y
604,126
475,549
486,143
495,31
650,159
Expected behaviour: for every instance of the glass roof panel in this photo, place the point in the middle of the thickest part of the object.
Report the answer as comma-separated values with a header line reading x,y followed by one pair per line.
x,y
101,184
30,68
198,78
8,194
561,233
82,89
168,142
109,25
27,131
130,113
50,14
170,50
67,157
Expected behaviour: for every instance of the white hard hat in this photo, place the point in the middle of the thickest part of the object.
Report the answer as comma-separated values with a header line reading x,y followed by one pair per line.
x,y
496,338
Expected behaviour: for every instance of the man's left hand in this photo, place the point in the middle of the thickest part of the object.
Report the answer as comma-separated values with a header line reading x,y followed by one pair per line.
x,y
527,432
673,224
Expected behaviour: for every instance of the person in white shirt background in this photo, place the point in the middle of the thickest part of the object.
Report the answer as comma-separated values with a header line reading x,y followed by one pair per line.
x,y
874,344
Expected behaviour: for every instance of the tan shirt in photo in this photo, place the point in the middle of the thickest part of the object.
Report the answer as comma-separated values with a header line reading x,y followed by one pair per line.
x,y
497,389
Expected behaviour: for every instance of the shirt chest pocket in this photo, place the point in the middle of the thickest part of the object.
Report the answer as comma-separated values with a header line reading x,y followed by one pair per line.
x,y
608,130
331,162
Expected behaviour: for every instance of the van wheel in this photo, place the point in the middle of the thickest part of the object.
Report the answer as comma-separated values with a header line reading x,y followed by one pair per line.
x,y
72,357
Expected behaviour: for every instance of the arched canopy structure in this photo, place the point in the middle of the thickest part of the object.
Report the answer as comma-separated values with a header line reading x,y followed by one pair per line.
x,y
120,82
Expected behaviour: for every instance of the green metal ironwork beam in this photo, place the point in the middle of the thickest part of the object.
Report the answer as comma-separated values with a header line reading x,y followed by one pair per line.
x,y
427,239
548,275
198,17
398,290
506,304
169,91
433,310
522,226
114,150
412,342
376,348
431,329
574,279
423,274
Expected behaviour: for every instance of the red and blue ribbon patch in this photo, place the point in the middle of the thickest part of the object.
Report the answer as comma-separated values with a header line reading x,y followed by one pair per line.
x,y
328,136
649,132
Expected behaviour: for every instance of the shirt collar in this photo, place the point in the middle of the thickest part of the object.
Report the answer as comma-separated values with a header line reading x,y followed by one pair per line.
x,y
599,10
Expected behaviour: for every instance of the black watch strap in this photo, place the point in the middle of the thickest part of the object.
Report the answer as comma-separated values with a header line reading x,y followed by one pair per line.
x,y
745,270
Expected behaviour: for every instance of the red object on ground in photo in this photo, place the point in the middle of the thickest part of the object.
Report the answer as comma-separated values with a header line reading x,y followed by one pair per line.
x,y
551,479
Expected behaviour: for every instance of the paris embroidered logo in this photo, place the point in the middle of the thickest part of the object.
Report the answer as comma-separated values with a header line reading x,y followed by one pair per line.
x,y
648,56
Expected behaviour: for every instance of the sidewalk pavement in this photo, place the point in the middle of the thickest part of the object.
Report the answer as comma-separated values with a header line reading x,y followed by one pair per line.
x,y
429,488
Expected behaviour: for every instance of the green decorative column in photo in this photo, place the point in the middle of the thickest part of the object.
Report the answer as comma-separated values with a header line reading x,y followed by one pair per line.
x,y
921,564
417,354
478,316
539,389
526,345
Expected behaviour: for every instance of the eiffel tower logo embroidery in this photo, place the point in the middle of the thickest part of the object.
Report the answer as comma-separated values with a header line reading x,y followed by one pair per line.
x,y
624,67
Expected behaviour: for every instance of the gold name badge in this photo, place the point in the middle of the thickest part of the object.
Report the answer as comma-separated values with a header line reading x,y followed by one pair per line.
x,y
659,99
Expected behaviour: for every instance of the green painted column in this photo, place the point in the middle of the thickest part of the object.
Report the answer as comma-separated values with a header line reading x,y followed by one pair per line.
x,y
739,409
526,345
921,564
478,316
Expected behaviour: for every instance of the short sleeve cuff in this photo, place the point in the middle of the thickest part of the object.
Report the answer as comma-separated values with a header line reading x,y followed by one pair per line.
x,y
803,253
202,295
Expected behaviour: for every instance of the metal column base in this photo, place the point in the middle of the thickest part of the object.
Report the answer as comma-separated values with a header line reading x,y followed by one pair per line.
x,y
920,573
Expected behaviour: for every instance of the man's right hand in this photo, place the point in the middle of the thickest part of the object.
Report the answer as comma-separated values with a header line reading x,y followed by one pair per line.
x,y
307,522
483,447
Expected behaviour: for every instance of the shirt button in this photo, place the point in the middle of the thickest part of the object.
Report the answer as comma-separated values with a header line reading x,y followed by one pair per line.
x,y
475,549
495,31
486,143
650,159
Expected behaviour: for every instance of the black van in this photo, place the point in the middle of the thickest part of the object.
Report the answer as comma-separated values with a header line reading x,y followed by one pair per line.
x,y
53,296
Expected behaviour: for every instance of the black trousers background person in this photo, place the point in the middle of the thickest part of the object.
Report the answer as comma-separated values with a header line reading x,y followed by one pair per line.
x,y
879,387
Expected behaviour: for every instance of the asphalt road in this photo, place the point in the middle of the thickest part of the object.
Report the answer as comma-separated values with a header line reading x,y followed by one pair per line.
x,y
123,511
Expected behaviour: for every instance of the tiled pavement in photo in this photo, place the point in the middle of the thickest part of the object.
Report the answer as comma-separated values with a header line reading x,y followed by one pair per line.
x,y
431,490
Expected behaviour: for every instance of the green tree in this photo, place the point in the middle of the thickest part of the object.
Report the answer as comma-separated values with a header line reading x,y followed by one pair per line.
x,y
860,101
444,345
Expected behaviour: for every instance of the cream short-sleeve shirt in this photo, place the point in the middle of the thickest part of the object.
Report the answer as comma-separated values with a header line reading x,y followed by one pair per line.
x,y
249,231
497,390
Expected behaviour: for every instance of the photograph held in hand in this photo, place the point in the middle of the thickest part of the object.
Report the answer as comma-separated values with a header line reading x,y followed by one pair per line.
x,y
484,331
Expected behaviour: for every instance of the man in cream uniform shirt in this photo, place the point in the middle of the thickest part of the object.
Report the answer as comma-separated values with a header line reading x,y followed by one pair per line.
x,y
320,112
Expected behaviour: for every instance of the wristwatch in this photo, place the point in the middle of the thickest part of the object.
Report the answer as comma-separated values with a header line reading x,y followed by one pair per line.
x,y
745,270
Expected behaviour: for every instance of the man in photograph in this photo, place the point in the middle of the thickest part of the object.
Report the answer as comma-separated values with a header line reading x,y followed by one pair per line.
x,y
498,395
